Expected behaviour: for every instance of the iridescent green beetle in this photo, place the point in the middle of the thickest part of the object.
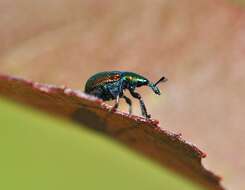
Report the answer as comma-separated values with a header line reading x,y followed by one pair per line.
x,y
110,85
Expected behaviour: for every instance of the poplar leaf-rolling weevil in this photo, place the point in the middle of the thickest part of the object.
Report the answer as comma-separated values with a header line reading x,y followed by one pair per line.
x,y
110,85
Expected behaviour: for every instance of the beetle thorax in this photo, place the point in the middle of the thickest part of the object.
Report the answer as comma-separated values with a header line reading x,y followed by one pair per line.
x,y
131,82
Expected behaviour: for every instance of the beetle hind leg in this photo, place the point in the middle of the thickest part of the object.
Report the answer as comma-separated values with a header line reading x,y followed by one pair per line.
x,y
129,102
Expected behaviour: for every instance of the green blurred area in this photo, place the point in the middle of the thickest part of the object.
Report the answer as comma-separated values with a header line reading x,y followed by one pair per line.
x,y
39,152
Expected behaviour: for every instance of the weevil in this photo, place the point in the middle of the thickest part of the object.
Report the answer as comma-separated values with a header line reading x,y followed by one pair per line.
x,y
110,85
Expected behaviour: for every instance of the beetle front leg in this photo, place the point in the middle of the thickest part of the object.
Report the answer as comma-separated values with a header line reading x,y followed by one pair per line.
x,y
129,102
142,104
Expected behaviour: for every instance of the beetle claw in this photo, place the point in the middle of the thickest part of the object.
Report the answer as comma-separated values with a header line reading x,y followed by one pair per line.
x,y
114,108
130,111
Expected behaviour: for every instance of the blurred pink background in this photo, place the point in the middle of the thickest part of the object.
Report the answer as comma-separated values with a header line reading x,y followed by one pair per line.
x,y
198,45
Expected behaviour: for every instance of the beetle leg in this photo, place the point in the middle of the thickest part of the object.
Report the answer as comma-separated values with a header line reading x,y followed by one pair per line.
x,y
114,108
129,102
142,104
115,92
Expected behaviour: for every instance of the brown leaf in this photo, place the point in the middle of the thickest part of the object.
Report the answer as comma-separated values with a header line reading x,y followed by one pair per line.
x,y
144,136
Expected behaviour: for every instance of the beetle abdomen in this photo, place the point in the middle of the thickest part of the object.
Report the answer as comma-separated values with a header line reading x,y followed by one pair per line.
x,y
101,79
102,93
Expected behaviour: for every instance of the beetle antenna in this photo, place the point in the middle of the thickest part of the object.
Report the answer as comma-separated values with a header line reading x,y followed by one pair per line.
x,y
163,79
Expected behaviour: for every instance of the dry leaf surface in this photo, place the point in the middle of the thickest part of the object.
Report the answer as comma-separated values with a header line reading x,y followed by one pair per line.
x,y
144,136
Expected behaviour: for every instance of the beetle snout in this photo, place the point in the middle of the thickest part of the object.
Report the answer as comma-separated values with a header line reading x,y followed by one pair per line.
x,y
157,91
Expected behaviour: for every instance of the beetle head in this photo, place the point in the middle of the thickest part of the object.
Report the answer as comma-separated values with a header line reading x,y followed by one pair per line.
x,y
154,85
